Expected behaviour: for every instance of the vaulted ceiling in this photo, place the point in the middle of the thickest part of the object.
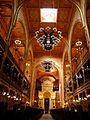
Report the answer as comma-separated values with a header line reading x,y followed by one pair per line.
x,y
29,21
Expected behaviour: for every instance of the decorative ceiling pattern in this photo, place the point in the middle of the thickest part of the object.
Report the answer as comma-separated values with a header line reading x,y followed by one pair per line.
x,y
29,19
62,24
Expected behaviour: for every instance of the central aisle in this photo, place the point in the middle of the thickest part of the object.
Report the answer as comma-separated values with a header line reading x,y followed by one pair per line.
x,y
46,117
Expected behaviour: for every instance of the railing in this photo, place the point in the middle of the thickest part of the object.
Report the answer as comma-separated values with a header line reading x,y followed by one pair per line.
x,y
13,82
83,87
85,58
11,72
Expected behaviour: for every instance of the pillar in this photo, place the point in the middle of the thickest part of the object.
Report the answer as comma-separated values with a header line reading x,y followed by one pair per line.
x,y
32,88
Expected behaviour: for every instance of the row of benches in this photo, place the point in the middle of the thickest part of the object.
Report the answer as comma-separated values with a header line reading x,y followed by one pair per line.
x,y
63,114
22,113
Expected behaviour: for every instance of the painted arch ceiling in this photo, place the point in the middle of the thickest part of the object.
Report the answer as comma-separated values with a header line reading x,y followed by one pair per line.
x,y
32,22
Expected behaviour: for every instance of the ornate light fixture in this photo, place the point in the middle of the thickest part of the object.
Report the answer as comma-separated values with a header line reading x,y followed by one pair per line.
x,y
47,65
79,51
78,43
17,42
48,38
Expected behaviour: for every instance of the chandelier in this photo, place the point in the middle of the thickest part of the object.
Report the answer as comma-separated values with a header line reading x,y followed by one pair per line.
x,y
48,37
47,65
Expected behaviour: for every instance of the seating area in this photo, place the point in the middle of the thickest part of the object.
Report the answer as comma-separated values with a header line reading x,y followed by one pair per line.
x,y
19,112
66,114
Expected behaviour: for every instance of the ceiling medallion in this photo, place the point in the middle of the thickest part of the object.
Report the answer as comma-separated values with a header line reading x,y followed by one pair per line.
x,y
47,65
48,37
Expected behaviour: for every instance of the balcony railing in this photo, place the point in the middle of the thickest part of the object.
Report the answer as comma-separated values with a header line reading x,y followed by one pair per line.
x,y
83,87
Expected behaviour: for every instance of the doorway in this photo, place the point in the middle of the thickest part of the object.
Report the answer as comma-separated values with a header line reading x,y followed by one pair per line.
x,y
46,105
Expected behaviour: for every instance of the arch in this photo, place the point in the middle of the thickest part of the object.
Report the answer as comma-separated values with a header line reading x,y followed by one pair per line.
x,y
78,6
46,94
81,7
75,57
73,24
39,61
18,50
4,10
49,76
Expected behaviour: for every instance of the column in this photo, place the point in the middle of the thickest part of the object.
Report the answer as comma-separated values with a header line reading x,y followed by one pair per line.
x,y
61,88
32,89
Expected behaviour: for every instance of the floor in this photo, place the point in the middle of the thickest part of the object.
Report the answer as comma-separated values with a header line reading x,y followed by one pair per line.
x,y
46,117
